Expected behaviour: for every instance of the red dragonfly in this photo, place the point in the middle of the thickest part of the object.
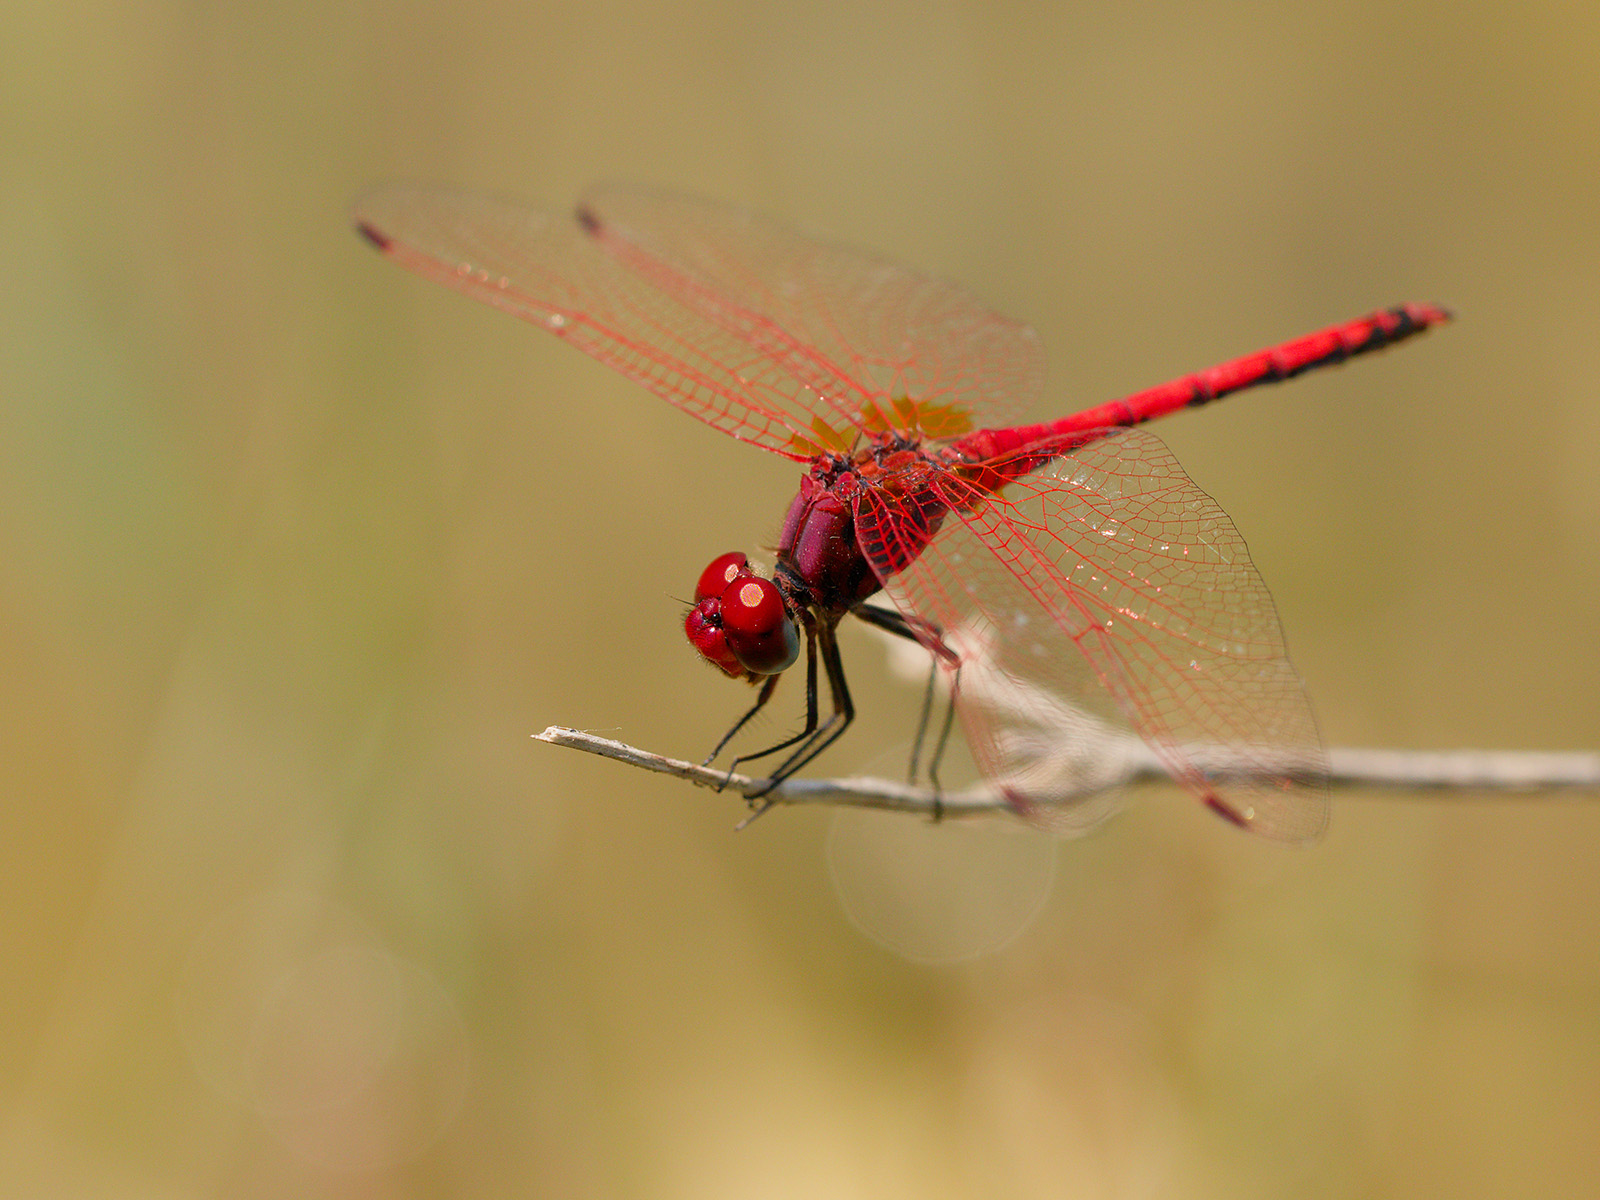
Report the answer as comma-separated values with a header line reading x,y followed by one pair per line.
x,y
1043,562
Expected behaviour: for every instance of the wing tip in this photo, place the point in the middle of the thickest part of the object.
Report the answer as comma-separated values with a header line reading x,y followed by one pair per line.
x,y
1225,810
1293,833
382,241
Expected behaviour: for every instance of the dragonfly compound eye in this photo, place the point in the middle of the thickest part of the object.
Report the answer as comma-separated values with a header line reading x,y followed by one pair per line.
x,y
703,626
723,570
757,627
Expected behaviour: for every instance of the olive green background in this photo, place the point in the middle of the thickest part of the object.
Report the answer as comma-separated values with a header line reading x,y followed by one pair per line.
x,y
296,551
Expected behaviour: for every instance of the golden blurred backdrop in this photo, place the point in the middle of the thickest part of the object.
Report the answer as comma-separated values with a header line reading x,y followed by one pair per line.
x,y
298,551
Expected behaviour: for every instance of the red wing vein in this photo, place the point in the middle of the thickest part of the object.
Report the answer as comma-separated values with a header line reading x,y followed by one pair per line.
x,y
1108,564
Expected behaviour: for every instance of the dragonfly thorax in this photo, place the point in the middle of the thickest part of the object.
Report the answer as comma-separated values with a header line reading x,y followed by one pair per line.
x,y
818,554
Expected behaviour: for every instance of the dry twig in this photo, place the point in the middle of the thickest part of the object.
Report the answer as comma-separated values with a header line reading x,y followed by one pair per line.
x,y
1438,772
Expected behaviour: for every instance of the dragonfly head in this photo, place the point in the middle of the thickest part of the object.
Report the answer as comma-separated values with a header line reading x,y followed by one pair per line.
x,y
740,622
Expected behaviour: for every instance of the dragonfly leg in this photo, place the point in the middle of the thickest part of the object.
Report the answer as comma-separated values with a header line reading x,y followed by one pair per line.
x,y
819,737
944,738
765,694
931,637
922,723
811,710
913,629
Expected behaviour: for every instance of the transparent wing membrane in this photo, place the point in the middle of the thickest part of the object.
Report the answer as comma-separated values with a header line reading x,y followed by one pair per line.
x,y
757,331
1109,575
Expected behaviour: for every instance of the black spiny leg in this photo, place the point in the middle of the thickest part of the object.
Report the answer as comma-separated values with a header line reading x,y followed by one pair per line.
x,y
931,638
944,740
818,738
766,693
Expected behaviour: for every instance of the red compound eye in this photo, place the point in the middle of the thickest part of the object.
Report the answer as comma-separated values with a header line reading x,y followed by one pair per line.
x,y
722,571
703,626
756,625
739,621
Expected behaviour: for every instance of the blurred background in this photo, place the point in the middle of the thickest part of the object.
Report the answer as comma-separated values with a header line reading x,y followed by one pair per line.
x,y
297,550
